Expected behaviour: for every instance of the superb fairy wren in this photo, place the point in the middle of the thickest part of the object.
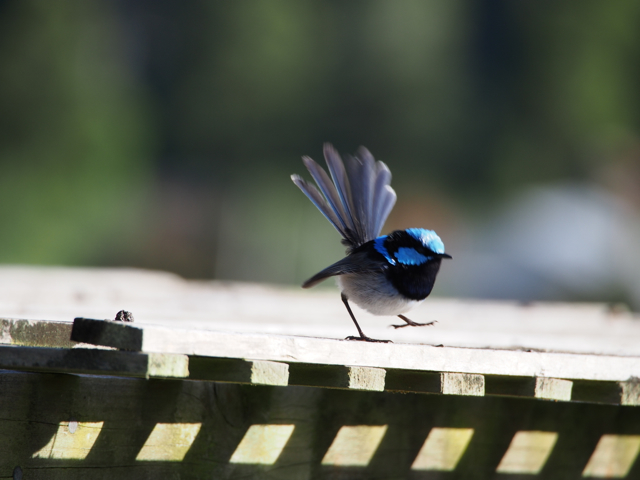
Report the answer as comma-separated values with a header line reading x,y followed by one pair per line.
x,y
385,275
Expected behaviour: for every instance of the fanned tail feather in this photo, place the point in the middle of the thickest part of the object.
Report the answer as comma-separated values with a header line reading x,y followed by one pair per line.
x,y
319,201
356,200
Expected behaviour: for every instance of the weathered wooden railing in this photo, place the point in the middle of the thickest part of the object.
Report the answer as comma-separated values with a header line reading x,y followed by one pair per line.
x,y
166,397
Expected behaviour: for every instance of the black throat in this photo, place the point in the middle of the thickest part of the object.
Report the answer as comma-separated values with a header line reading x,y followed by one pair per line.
x,y
414,281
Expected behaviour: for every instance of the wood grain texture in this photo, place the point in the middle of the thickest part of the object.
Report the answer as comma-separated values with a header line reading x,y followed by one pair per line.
x,y
258,372
100,426
337,376
130,428
366,378
431,382
614,393
537,387
164,299
108,333
630,392
93,361
415,381
553,389
462,384
597,392
35,333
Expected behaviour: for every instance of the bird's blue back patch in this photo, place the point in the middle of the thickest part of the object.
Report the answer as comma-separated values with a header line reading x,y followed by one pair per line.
x,y
378,244
428,238
409,256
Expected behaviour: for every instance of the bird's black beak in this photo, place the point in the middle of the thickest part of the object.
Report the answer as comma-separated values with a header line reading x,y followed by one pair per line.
x,y
445,255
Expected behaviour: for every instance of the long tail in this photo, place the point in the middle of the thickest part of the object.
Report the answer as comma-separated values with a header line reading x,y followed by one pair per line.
x,y
357,199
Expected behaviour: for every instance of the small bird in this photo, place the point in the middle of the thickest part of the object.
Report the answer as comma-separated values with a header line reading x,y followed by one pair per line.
x,y
385,275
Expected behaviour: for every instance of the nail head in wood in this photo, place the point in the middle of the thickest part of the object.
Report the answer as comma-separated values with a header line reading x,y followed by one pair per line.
x,y
124,316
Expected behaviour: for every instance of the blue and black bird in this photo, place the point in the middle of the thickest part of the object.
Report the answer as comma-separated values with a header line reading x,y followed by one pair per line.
x,y
385,275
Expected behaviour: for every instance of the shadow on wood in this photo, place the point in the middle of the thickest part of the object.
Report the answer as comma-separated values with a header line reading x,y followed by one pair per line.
x,y
132,428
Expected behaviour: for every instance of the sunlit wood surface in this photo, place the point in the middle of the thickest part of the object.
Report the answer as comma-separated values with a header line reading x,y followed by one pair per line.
x,y
163,299
216,380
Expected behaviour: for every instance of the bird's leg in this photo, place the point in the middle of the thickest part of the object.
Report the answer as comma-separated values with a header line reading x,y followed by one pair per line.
x,y
362,336
411,323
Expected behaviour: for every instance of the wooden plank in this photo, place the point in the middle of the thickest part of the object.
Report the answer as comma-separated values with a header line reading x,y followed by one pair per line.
x,y
234,370
107,333
94,361
337,376
366,378
597,392
163,299
462,384
432,382
613,393
56,426
553,389
167,365
537,387
35,333
630,392
413,381
322,351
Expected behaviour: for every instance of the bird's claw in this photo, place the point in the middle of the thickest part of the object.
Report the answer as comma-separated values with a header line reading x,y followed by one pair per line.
x,y
367,339
411,323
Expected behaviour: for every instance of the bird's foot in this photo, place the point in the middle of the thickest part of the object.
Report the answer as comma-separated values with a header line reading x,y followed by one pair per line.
x,y
411,323
364,338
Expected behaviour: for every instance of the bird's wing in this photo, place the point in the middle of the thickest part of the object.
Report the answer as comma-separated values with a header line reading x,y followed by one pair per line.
x,y
357,199
354,263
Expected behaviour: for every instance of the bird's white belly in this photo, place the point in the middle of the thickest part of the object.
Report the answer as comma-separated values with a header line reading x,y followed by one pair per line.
x,y
375,294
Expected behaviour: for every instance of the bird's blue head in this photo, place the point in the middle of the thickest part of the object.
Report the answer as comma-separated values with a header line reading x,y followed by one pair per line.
x,y
413,246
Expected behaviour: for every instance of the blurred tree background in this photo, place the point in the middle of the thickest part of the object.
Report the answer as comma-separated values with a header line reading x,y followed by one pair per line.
x,y
162,133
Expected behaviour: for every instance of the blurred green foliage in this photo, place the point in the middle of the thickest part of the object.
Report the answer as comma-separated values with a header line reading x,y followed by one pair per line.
x,y
162,133
74,134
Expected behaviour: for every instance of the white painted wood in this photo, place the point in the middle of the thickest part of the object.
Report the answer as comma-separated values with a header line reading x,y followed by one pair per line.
x,y
163,299
462,384
366,378
389,355
269,373
630,393
553,389
247,321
